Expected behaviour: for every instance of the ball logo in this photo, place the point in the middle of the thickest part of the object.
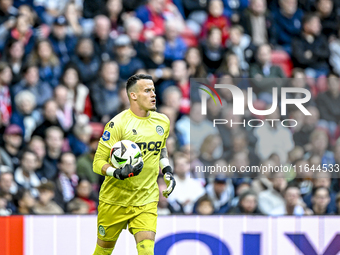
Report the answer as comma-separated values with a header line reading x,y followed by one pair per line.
x,y
160,130
101,230
133,146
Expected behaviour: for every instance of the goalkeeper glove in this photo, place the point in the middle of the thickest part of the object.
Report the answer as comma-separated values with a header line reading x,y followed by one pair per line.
x,y
169,181
129,170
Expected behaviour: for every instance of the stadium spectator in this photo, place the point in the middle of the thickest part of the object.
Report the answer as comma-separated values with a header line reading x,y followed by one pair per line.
x,y
263,182
187,190
65,111
104,92
156,64
133,28
338,204
9,153
128,64
329,114
103,42
67,179
5,97
271,200
247,204
26,115
85,193
194,59
293,201
54,142
309,124
31,82
175,46
15,58
8,188
320,201
85,161
273,138
63,44
4,211
77,25
25,175
86,60
258,22
212,50
45,203
288,19
239,44
44,167
24,201
79,138
49,66
233,9
220,192
319,144
204,206
78,94
164,206
77,206
114,11
266,75
216,19
50,118
311,50
328,17
211,149
322,179
23,32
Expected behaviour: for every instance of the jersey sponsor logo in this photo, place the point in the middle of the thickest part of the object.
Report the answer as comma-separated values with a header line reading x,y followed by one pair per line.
x,y
160,130
134,131
111,124
106,136
151,146
101,230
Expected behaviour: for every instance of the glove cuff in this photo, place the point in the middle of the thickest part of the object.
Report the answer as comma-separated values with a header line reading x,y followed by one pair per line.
x,y
167,169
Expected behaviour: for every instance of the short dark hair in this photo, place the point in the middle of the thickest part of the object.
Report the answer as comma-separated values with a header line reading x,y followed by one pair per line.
x,y
134,78
308,17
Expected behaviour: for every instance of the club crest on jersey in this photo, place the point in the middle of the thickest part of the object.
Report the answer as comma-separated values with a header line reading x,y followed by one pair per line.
x,y
160,130
101,230
106,136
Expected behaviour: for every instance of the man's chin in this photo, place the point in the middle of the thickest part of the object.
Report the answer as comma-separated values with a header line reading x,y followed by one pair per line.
x,y
154,108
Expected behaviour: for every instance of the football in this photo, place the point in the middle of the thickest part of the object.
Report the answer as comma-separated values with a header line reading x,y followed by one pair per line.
x,y
124,152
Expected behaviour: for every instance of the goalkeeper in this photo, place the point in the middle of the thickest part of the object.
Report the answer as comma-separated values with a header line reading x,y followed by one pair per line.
x,y
129,196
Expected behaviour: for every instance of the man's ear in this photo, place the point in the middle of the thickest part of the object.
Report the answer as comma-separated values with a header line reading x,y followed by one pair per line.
x,y
133,95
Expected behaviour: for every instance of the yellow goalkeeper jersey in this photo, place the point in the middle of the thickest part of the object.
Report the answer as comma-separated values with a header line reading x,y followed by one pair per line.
x,y
150,133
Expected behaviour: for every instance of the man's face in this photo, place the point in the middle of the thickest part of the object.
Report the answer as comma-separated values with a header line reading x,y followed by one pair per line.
x,y
29,162
68,164
179,70
182,166
292,196
14,140
219,187
110,72
46,196
54,139
38,147
32,75
6,181
321,198
50,111
59,31
145,95
249,203
288,6
102,28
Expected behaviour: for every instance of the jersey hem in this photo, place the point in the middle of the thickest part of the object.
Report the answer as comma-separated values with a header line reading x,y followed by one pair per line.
x,y
125,205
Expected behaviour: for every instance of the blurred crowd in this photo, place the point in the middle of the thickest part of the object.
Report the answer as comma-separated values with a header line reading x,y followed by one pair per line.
x,y
62,78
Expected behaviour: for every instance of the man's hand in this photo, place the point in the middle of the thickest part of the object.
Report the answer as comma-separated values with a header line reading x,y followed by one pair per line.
x,y
129,170
170,183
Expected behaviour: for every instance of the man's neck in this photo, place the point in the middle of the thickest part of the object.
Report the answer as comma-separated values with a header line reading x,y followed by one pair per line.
x,y
139,112
318,210
53,154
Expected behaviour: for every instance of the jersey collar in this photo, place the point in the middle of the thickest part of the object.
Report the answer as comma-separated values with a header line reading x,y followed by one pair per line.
x,y
138,117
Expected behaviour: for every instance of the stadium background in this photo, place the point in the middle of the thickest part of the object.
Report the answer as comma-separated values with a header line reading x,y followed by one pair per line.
x,y
62,73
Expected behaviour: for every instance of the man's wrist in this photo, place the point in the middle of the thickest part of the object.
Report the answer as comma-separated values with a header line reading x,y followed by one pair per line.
x,y
110,171
167,169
